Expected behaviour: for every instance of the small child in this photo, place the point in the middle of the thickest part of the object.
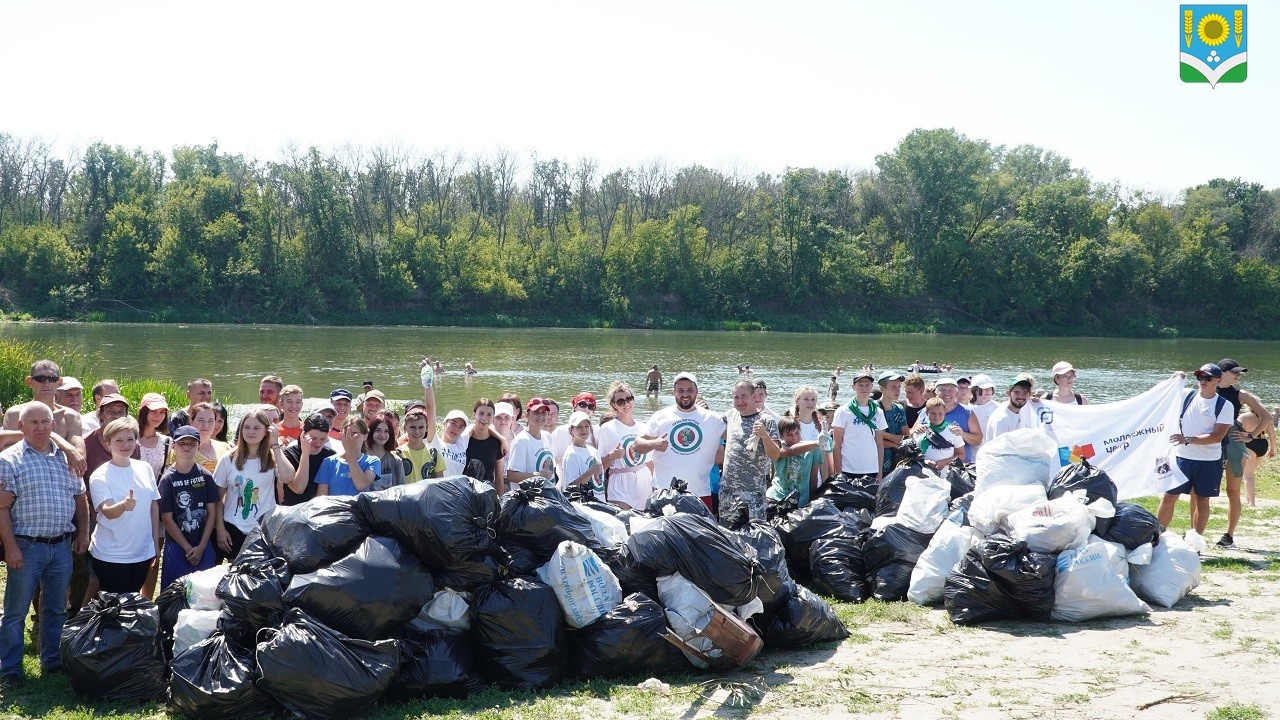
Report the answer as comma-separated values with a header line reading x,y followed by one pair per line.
x,y
124,542
581,461
422,461
798,469
188,504
939,439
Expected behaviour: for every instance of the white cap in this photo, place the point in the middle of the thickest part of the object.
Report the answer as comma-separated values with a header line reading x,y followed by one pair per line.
x,y
944,381
456,415
69,382
983,381
504,408
325,405
578,417
686,376
1062,368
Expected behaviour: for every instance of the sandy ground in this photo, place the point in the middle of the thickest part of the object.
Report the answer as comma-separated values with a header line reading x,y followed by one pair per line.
x,y
1219,645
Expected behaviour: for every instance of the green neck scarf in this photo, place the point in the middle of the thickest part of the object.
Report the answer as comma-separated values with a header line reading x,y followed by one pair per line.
x,y
924,441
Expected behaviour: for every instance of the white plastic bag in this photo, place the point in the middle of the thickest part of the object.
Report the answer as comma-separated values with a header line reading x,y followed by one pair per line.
x,y
989,510
584,585
202,588
1173,572
609,529
688,611
1018,457
192,627
945,551
925,503
1195,541
448,609
1060,524
1090,584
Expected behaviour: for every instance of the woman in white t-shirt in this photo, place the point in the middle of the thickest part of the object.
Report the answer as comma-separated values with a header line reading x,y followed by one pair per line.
x,y
123,546
246,479
804,408
629,482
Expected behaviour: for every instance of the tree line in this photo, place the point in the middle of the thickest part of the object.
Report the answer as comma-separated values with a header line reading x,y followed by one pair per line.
x,y
944,232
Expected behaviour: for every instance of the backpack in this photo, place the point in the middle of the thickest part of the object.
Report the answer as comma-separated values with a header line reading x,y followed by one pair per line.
x,y
1217,409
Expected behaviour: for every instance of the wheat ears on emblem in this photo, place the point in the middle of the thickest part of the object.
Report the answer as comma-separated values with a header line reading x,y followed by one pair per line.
x,y
1239,18
1187,17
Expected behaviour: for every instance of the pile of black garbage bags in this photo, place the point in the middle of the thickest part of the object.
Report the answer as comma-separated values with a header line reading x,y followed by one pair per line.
x,y
440,589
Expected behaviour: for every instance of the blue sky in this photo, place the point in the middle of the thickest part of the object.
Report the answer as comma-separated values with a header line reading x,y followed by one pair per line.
x,y
742,86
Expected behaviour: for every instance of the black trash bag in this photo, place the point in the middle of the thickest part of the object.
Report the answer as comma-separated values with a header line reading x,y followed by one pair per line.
x,y
1083,476
894,485
819,519
253,592
890,555
859,494
626,516
111,649
320,673
1000,580
838,567
314,534
438,520
369,594
581,494
962,477
171,601
804,620
776,582
678,496
468,573
1133,526
435,663
601,505
253,550
215,679
633,578
962,505
519,633
238,631
707,555
627,640
518,560
537,516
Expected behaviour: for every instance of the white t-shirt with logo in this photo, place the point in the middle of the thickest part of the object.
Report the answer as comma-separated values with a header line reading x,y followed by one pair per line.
x,y
629,480
860,453
1200,419
455,455
531,454
693,438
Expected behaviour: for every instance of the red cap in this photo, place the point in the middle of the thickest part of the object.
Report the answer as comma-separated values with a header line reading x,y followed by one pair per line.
x,y
584,397
536,404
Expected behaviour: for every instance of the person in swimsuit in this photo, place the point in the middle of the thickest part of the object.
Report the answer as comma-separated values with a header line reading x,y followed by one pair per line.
x,y
653,381
1261,443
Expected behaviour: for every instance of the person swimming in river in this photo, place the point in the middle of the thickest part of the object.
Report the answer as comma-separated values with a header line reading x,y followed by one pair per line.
x,y
469,369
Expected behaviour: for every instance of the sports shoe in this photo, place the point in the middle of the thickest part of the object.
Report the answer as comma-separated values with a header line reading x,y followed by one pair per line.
x,y
1226,541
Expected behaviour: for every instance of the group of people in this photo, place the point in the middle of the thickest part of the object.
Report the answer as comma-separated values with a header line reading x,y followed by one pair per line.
x,y
158,492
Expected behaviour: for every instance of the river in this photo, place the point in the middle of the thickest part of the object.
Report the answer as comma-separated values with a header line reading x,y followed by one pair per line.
x,y
563,362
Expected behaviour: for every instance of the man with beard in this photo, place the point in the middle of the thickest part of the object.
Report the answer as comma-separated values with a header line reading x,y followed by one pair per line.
x,y
1011,415
684,439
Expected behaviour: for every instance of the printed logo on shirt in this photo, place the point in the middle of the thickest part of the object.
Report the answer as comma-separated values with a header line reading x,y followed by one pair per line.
x,y
685,437
631,457
543,461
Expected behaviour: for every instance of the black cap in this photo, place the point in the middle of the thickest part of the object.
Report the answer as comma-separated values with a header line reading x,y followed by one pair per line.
x,y
340,393
1227,365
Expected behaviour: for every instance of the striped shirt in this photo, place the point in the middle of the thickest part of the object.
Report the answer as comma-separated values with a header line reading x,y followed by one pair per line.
x,y
44,489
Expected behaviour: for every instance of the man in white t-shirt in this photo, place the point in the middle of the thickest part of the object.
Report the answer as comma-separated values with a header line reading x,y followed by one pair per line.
x,y
858,431
531,450
684,440
1204,420
1014,414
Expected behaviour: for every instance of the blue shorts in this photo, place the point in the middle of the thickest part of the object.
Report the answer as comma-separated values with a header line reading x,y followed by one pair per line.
x,y
1204,477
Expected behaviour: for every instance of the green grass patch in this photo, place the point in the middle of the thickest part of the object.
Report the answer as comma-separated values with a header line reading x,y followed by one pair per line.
x,y
1071,699
1229,564
1236,711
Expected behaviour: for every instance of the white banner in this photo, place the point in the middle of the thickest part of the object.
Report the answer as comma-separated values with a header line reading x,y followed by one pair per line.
x,y
1129,439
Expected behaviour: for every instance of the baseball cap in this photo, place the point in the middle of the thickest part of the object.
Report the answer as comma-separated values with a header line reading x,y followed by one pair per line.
x,y
1023,379
578,417
112,398
186,431
456,415
945,381
340,394
983,381
414,405
1062,368
1209,370
373,394
323,406
154,401
584,397
686,376
504,408
889,376
70,383
536,404
861,374
1227,365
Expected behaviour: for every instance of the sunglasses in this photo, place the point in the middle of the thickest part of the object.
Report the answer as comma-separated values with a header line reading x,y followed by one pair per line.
x,y
624,400
585,404
46,379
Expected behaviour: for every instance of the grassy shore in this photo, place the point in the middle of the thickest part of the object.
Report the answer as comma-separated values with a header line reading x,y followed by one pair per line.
x,y
857,678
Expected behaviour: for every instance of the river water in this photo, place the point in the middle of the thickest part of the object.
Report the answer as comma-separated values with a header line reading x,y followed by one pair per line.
x,y
563,362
